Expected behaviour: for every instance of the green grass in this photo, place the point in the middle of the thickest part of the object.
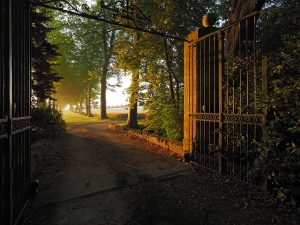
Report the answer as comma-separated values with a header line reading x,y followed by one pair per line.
x,y
71,117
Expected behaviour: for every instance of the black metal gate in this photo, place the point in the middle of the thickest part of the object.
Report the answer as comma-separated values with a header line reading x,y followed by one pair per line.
x,y
14,108
225,81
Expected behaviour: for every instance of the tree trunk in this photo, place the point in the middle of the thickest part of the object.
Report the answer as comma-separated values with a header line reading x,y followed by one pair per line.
x,y
177,95
103,113
80,107
133,100
107,54
134,89
240,9
86,106
89,114
170,71
87,102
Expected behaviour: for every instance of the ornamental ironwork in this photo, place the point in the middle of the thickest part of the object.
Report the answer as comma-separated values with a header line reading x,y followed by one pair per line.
x,y
20,124
3,127
210,117
230,118
221,131
119,12
244,118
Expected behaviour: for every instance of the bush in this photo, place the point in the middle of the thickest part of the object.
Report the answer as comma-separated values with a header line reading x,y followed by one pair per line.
x,y
47,123
164,120
278,163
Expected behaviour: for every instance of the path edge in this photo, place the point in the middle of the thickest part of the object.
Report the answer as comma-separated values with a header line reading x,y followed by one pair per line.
x,y
171,145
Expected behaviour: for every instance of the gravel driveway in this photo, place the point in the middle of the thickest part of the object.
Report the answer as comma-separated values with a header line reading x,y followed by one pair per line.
x,y
96,176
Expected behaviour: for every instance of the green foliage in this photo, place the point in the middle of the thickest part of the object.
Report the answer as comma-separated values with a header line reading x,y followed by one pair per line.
x,y
160,61
280,151
164,116
79,43
86,47
44,54
47,123
167,123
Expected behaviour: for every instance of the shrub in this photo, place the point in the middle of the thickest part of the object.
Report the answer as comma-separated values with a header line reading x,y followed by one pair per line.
x,y
47,123
278,163
164,120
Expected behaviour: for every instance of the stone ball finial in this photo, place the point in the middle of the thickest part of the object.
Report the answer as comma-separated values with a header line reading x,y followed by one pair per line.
x,y
209,20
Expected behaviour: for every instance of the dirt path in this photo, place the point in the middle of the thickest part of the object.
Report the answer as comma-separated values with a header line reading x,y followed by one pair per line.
x,y
96,176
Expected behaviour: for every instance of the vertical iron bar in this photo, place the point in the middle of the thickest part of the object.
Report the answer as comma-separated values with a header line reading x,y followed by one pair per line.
x,y
220,71
204,101
247,102
200,99
209,103
240,101
214,110
27,84
189,102
255,73
233,129
227,112
10,162
193,93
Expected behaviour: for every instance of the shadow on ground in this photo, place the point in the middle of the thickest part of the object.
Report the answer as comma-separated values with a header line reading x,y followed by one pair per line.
x,y
95,176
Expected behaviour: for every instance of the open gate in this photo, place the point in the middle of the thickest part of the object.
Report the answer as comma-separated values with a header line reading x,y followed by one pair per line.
x,y
225,81
14,108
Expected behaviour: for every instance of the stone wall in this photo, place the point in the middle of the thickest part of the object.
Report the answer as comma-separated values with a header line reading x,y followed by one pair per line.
x,y
173,146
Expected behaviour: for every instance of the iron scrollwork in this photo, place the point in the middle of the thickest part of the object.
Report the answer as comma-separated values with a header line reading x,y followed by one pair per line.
x,y
3,127
124,12
20,124
119,12
244,118
210,117
230,118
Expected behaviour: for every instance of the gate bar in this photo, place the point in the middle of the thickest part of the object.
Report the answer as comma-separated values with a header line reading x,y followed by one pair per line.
x,y
220,68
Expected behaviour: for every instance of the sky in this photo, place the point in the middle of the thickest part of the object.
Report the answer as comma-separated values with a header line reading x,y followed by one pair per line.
x,y
119,96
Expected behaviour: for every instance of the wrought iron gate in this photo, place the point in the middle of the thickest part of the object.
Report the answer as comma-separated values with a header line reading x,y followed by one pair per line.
x,y
14,108
225,81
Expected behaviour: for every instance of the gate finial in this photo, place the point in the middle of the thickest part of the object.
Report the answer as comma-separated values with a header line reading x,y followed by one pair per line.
x,y
209,19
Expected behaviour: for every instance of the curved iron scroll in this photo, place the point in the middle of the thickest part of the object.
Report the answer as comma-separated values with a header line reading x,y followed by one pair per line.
x,y
209,117
3,128
119,12
20,124
254,119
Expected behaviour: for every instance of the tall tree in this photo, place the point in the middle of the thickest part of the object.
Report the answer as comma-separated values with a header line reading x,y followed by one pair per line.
x,y
70,90
91,50
160,61
44,55
108,37
132,120
81,49
108,41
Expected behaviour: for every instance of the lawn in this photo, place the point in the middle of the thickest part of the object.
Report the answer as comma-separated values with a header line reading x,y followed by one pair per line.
x,y
71,117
